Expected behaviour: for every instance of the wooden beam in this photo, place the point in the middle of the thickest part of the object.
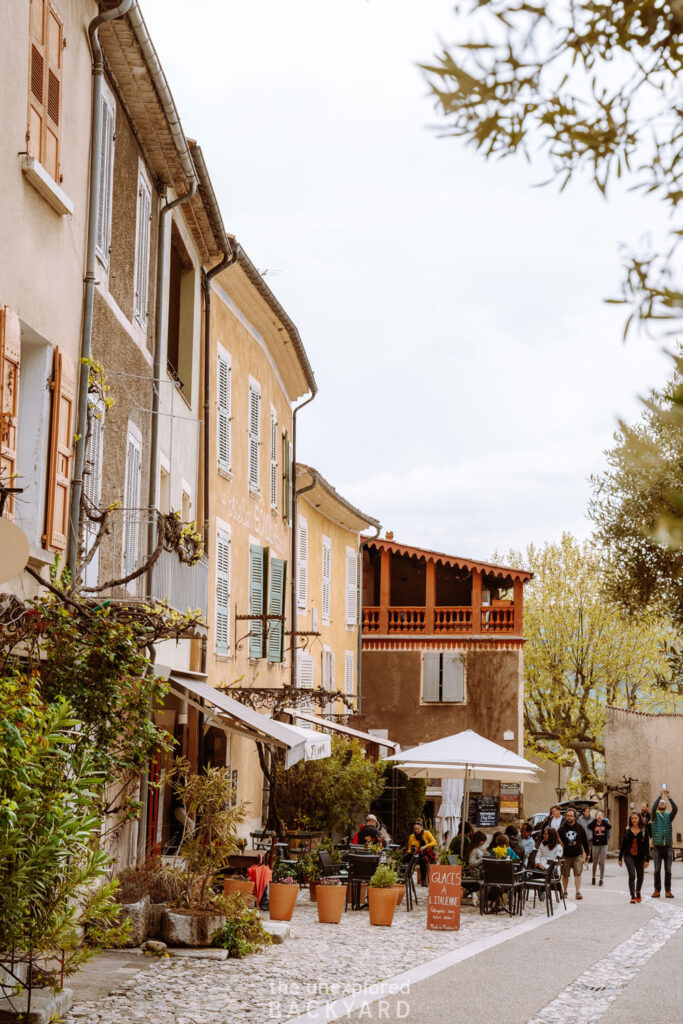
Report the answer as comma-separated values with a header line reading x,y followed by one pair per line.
x,y
430,595
476,601
519,608
384,590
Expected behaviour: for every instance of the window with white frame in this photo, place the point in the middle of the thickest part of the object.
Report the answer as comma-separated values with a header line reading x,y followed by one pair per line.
x,y
273,459
351,587
222,591
326,579
302,565
224,417
106,178
305,670
131,502
348,673
143,234
443,677
254,436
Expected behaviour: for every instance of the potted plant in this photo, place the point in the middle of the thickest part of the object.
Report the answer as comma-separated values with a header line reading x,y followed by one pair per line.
x,y
331,899
282,893
382,895
238,884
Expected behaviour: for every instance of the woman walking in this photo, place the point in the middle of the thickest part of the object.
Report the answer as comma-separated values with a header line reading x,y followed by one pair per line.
x,y
635,850
599,829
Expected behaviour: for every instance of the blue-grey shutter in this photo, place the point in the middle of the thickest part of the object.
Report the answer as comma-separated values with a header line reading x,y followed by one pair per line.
x,y
431,669
276,606
257,590
453,686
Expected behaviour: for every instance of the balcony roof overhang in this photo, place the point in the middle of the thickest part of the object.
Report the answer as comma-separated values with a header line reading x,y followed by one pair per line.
x,y
439,557
330,503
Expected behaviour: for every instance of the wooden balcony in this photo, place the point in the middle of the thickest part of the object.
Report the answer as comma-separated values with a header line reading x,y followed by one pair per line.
x,y
444,620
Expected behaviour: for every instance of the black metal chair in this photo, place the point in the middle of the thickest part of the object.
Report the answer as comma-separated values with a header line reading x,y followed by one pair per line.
x,y
500,879
556,883
406,878
542,883
328,867
470,885
362,867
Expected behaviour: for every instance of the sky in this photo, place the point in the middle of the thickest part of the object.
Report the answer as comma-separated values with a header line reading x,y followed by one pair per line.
x,y
470,373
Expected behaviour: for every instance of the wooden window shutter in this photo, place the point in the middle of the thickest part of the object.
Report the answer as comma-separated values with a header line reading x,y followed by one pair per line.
x,y
45,85
453,677
273,459
348,673
61,435
351,587
257,591
10,362
302,566
92,488
254,436
222,592
326,581
223,425
276,606
142,250
431,676
131,529
305,670
106,180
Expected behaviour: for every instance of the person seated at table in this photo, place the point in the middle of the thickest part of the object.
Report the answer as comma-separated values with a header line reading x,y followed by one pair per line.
x,y
368,833
526,841
550,849
500,842
422,842
476,853
454,846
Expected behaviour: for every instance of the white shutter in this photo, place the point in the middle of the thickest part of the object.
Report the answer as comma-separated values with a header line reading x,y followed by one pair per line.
x,y
106,182
92,489
222,592
351,587
327,576
305,670
131,504
273,459
328,678
223,424
142,249
254,435
348,673
431,672
292,484
302,566
453,676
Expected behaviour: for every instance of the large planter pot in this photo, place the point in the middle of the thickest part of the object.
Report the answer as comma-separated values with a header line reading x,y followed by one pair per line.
x,y
400,893
233,885
282,901
382,903
190,928
331,901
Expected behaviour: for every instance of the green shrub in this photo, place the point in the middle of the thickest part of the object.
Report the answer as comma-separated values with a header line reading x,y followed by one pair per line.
x,y
383,878
242,933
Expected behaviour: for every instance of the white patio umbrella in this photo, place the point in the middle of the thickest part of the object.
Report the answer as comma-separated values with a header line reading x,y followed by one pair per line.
x,y
451,802
465,755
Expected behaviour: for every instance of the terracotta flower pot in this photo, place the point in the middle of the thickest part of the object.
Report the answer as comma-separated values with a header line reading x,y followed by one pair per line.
x,y
382,904
331,901
400,893
282,901
312,886
233,885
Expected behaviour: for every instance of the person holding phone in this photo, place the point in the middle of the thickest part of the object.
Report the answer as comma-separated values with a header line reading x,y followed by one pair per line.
x,y
662,840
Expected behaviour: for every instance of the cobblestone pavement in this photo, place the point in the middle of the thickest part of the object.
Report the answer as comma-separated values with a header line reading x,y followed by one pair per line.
x,y
315,965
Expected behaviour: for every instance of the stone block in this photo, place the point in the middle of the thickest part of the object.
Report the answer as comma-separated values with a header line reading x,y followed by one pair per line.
x,y
190,929
46,1006
154,946
278,930
156,911
138,915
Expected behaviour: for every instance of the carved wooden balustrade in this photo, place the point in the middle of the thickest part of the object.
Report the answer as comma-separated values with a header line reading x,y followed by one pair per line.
x,y
448,619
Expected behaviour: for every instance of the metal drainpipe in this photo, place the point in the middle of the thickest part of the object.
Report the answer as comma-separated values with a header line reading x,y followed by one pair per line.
x,y
359,655
90,269
295,493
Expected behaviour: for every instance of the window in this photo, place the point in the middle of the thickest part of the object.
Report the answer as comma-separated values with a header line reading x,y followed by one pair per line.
x,y
302,566
287,488
185,504
10,361
348,673
106,180
165,489
131,501
181,300
45,86
92,488
327,579
328,677
275,647
254,436
222,591
61,439
142,249
257,592
351,587
443,678
223,422
305,670
273,459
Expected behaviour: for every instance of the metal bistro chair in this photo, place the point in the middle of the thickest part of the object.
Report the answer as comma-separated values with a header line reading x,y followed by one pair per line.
x,y
328,868
501,878
362,867
406,878
543,884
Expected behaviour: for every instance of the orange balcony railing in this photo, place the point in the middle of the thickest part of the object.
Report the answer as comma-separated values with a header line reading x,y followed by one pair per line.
x,y
448,619
497,620
454,619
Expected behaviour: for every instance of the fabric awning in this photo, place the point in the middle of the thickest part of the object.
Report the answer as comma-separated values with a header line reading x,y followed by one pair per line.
x,y
346,730
226,713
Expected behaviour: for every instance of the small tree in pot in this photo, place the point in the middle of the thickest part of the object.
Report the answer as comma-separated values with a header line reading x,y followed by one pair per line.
x,y
382,895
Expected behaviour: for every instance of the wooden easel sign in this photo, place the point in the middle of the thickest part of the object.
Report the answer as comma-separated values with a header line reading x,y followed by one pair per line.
x,y
444,898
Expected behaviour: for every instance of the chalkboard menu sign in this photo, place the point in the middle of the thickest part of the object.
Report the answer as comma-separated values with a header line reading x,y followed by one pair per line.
x,y
484,810
444,897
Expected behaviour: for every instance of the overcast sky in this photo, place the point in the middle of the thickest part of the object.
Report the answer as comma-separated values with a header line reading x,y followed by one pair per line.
x,y
470,375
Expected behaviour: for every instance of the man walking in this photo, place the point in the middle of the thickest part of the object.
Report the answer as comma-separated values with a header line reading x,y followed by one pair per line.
x,y
575,845
585,821
554,819
662,841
